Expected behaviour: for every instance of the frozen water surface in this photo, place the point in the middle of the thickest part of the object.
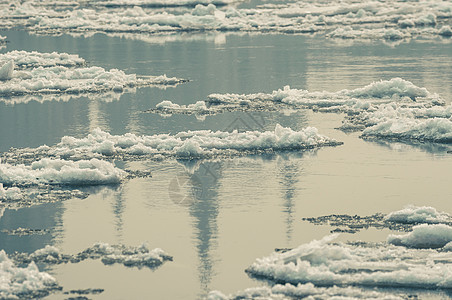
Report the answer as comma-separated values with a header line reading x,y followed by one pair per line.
x,y
219,215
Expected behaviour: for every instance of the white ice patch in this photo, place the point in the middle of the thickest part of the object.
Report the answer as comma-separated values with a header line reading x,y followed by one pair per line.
x,y
424,236
10,194
382,91
418,214
289,291
326,264
140,256
390,20
6,70
60,80
29,282
189,144
434,130
61,172
27,60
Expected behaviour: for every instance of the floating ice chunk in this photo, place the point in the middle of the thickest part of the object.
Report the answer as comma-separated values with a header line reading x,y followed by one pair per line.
x,y
167,106
6,71
445,31
10,194
62,73
109,254
26,282
27,60
424,236
416,214
289,291
185,144
326,264
435,130
57,171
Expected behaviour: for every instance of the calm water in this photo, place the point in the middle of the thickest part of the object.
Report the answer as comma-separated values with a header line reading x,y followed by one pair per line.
x,y
228,212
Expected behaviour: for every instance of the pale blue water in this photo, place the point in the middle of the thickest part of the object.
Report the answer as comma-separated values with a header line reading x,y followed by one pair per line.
x,y
243,208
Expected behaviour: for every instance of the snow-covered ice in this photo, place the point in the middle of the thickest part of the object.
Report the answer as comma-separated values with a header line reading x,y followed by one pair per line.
x,y
289,291
324,263
140,256
10,194
424,236
63,74
418,214
33,59
185,144
27,282
392,20
61,172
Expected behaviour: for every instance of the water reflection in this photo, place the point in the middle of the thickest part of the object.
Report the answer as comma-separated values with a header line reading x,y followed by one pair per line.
x,y
46,218
289,171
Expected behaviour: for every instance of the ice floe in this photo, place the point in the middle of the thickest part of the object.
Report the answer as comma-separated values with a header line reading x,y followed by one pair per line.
x,y
33,59
185,144
10,194
61,172
289,291
393,109
68,80
323,263
401,220
434,130
418,214
140,256
424,236
20,283
393,20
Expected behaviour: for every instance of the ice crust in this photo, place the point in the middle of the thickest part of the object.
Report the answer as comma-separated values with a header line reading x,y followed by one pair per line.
x,y
389,20
10,194
323,263
185,144
393,109
63,74
33,59
140,256
308,290
418,214
424,236
27,282
61,172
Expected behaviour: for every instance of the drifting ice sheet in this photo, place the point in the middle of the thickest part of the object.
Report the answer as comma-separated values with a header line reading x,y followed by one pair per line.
x,y
140,256
61,172
289,291
424,236
33,59
16,283
418,214
325,264
189,144
60,80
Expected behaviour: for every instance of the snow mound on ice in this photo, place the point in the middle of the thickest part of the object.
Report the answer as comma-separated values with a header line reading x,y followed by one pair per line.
x,y
418,214
435,130
185,144
33,59
60,80
289,291
424,236
140,256
326,264
6,71
61,172
10,194
26,282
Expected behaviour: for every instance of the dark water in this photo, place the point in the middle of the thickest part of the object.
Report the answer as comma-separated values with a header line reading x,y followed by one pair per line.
x,y
227,212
